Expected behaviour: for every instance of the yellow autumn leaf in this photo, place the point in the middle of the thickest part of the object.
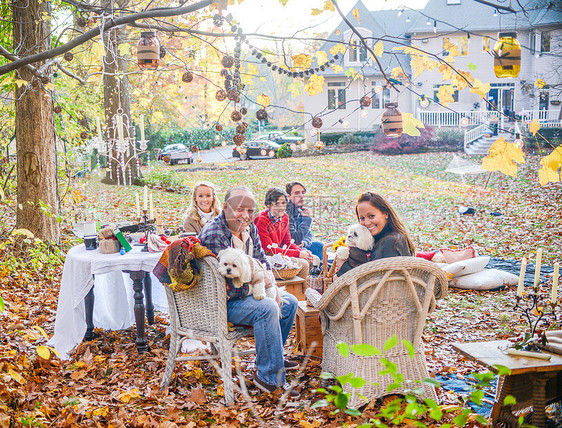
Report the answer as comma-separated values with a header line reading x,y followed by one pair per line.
x,y
252,69
25,232
126,396
328,5
102,411
549,167
40,330
397,73
540,83
321,57
451,48
410,125
355,13
315,85
480,88
503,157
302,61
445,94
337,68
316,11
16,376
378,49
263,100
534,126
158,116
43,352
339,48
49,86
447,72
20,82
462,80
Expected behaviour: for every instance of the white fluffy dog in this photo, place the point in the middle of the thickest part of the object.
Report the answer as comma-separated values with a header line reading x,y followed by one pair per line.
x,y
243,269
358,237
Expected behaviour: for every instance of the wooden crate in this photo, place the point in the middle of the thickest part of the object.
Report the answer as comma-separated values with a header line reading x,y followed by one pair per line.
x,y
308,329
295,286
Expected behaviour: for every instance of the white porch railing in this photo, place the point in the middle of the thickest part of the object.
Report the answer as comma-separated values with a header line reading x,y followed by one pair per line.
x,y
450,118
473,134
540,115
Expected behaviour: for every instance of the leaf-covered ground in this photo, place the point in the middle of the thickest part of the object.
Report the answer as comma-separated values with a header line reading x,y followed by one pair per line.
x,y
107,383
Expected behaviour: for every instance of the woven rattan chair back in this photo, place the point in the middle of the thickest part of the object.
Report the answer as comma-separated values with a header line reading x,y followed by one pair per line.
x,y
200,313
371,303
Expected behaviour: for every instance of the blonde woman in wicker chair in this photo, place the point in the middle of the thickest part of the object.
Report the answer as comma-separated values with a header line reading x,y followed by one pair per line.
x,y
391,237
204,207
273,228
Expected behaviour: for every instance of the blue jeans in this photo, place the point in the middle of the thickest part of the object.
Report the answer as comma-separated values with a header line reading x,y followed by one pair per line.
x,y
270,331
315,248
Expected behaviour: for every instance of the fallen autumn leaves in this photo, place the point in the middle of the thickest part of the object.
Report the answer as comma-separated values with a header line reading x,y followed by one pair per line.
x,y
107,383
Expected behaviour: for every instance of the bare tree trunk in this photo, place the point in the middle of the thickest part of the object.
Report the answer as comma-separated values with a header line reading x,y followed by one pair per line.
x,y
122,169
38,204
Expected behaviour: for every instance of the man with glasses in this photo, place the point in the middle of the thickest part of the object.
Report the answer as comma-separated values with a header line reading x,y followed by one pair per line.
x,y
300,219
272,321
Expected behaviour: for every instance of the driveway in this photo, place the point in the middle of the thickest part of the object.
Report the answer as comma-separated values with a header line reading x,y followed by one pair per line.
x,y
216,155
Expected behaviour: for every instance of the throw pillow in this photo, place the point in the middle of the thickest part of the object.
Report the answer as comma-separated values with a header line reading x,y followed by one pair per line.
x,y
466,267
487,279
452,256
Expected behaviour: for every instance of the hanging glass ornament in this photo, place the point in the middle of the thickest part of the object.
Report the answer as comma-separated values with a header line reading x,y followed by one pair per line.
x,y
424,101
364,112
392,121
148,51
507,56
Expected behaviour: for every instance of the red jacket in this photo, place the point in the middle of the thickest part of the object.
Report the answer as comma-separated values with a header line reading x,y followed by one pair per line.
x,y
276,233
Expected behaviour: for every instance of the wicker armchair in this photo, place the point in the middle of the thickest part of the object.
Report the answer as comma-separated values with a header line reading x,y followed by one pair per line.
x,y
200,313
369,304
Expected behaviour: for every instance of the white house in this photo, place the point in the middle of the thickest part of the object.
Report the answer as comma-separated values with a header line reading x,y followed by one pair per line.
x,y
474,28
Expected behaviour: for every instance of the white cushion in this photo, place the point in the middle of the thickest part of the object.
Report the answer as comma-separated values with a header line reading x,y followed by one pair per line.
x,y
486,279
466,267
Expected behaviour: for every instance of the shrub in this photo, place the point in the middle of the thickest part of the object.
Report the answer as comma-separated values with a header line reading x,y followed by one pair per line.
x,y
448,140
285,151
553,135
405,144
169,180
205,138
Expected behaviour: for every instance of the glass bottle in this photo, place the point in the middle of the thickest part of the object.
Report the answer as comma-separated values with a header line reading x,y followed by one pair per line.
x,y
148,51
507,56
392,121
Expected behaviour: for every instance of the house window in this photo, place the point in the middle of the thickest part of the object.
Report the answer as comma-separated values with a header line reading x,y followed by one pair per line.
x,y
436,99
486,41
356,49
379,100
532,43
336,95
460,42
545,41
543,100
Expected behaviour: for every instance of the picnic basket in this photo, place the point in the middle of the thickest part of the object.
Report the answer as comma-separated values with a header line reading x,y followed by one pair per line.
x,y
285,273
326,277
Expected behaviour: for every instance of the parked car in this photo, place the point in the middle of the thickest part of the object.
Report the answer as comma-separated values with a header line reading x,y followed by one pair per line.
x,y
280,138
257,149
176,153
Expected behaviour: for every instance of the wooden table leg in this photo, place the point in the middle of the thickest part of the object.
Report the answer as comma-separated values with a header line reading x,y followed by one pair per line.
x,y
89,306
148,297
138,285
539,398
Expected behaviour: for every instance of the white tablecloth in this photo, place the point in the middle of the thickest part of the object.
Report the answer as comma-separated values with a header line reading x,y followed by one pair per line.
x,y
114,303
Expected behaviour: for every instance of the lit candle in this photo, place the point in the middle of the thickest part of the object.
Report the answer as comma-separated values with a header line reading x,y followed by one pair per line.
x,y
555,276
98,126
151,207
538,268
522,277
137,204
142,126
145,198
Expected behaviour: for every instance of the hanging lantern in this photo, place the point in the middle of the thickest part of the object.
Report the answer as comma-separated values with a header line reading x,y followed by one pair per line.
x,y
345,123
148,51
68,56
238,139
84,135
378,89
392,121
194,148
243,110
313,132
57,109
233,95
507,56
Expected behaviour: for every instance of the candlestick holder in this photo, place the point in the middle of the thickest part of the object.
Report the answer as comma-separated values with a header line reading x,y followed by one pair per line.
x,y
534,308
145,227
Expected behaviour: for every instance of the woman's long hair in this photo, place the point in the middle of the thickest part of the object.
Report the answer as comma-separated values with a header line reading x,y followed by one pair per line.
x,y
192,209
394,223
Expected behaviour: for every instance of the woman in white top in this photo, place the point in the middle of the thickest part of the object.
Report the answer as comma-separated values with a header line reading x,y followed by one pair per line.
x,y
204,206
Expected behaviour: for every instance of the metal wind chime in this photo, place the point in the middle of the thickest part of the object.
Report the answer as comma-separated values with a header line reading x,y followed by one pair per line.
x,y
120,147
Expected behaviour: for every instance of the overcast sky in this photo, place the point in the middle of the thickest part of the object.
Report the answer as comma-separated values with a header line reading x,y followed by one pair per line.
x,y
270,17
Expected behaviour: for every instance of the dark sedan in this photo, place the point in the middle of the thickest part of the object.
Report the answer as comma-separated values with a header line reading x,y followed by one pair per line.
x,y
256,149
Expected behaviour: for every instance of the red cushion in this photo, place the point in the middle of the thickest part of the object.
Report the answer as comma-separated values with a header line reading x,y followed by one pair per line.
x,y
428,255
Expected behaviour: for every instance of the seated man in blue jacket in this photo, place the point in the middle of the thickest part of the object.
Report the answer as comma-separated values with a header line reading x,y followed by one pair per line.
x,y
300,219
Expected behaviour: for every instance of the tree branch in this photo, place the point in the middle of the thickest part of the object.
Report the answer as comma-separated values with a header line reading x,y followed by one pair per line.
x,y
112,23
7,54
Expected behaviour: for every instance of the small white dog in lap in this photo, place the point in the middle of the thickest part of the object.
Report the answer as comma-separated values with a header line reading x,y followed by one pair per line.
x,y
243,269
359,242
